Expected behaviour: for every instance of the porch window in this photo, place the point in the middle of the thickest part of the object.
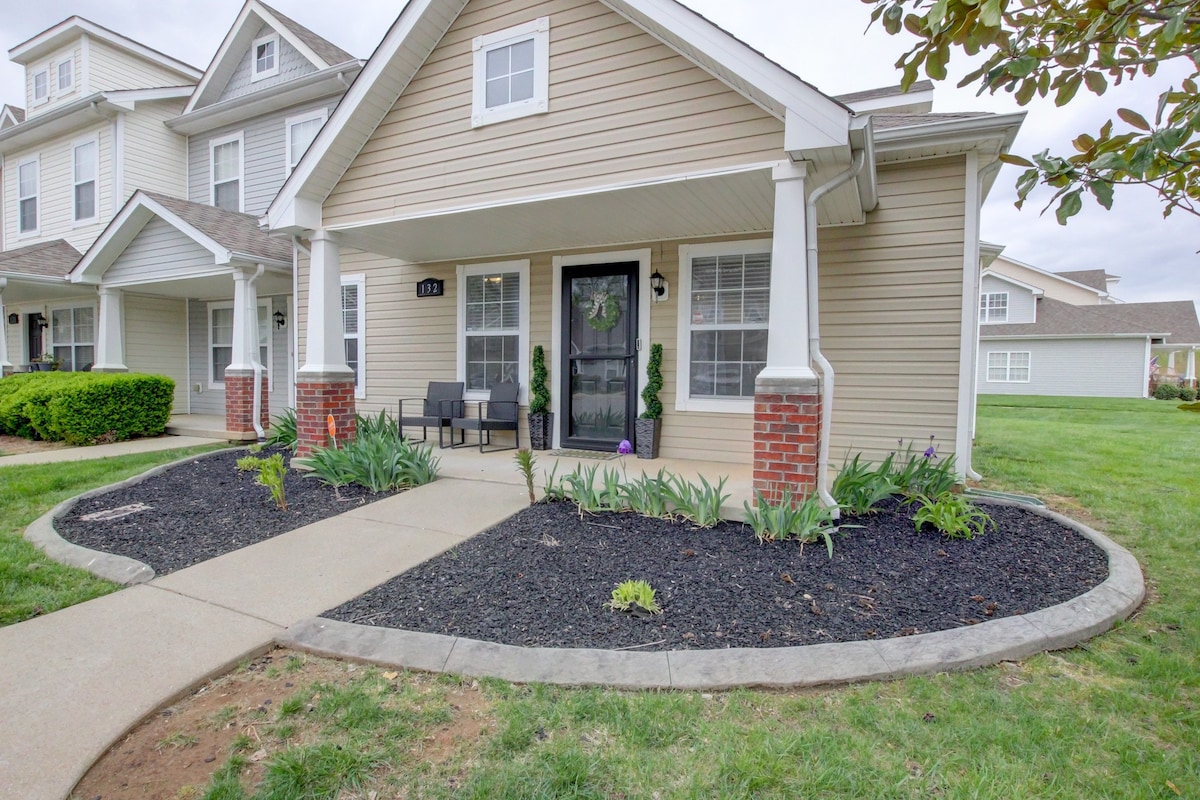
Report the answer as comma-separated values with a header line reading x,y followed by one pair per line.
x,y
723,325
264,57
300,134
66,75
41,86
226,163
220,341
1008,367
493,325
73,337
85,169
27,196
993,307
511,73
353,316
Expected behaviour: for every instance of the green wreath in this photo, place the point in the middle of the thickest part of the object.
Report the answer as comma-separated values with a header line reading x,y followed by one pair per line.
x,y
601,311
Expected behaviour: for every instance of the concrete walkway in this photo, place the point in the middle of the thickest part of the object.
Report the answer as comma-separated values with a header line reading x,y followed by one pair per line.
x,y
106,450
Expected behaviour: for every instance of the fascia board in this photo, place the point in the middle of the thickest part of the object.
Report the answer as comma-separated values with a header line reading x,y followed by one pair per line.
x,y
1041,336
286,32
1000,127
25,277
52,38
218,66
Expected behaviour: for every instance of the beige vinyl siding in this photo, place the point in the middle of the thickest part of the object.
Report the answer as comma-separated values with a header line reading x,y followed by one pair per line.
x,y
159,252
156,341
154,154
891,308
292,65
56,190
1072,367
1022,305
72,52
623,107
1054,288
113,68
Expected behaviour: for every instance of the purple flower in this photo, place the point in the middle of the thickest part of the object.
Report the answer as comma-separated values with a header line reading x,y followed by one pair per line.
x,y
931,451
625,448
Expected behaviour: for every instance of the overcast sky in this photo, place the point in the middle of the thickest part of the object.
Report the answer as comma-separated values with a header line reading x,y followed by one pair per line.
x,y
823,43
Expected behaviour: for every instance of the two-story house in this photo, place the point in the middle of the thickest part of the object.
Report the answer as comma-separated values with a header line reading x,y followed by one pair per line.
x,y
1064,333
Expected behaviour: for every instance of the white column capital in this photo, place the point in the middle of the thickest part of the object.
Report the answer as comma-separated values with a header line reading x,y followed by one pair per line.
x,y
789,171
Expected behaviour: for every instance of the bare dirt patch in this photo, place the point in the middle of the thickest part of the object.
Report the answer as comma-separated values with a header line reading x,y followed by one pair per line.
x,y
15,446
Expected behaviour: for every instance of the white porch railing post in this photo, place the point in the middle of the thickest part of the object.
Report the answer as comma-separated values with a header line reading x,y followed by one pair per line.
x,y
110,343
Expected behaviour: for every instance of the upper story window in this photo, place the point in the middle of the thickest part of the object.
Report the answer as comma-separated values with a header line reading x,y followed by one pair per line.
x,y
264,57
41,86
993,307
85,188
27,196
511,77
300,134
226,169
66,75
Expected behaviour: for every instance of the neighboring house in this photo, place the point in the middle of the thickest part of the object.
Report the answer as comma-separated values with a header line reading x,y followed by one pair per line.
x,y
547,160
1063,333
93,132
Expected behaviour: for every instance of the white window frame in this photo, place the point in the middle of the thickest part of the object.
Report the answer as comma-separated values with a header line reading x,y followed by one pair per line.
x,y
1008,367
95,142
264,311
255,73
358,281
989,313
539,31
291,158
69,63
683,373
213,144
464,271
48,341
36,197
45,72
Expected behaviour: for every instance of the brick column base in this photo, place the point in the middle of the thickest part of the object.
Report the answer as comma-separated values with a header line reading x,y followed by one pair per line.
x,y
316,401
239,402
787,435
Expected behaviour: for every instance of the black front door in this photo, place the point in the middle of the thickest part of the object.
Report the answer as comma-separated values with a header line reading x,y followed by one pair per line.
x,y
599,369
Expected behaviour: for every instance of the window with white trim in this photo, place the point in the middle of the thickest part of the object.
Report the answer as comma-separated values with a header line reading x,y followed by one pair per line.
x,y
220,341
264,57
511,73
85,195
353,331
993,307
300,134
27,196
493,328
225,158
66,75
41,86
1008,367
723,324
73,337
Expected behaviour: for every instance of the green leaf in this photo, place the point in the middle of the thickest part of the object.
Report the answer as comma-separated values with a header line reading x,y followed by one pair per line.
x,y
1070,205
989,13
1067,90
1133,118
1020,67
1017,161
1103,191
1083,143
1096,82
892,19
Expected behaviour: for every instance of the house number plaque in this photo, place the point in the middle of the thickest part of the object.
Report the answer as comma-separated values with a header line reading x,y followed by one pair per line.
x,y
431,287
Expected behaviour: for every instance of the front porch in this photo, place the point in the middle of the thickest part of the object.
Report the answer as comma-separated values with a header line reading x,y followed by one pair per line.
x,y
206,426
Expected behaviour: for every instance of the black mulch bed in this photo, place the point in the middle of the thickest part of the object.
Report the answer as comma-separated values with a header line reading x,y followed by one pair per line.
x,y
203,509
542,578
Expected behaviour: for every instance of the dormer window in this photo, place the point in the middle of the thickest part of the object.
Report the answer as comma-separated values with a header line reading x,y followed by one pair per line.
x,y
41,86
264,57
66,75
993,307
511,78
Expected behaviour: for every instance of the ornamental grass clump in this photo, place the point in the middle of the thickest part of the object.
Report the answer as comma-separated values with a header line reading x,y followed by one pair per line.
x,y
283,430
806,521
859,487
378,458
952,515
700,505
634,595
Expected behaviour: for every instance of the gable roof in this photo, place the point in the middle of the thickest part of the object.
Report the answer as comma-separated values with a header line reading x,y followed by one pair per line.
x,y
918,99
228,235
1093,278
11,115
53,38
53,259
1062,277
1174,321
814,122
1035,290
321,53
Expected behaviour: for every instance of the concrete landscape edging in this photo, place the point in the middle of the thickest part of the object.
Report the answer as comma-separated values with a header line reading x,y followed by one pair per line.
x,y
1057,627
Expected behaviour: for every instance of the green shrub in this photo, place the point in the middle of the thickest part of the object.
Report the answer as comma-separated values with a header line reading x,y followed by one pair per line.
x,y
17,391
283,430
379,460
1166,391
1187,394
106,408
858,487
271,472
952,514
629,594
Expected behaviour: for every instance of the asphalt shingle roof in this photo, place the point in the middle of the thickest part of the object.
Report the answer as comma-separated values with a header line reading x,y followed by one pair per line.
x,y
1095,278
321,46
51,259
1176,319
883,121
230,229
883,91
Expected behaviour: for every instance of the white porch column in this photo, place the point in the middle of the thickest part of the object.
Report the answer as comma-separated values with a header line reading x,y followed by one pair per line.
x,y
788,356
325,349
1190,375
110,344
245,321
5,365
1171,361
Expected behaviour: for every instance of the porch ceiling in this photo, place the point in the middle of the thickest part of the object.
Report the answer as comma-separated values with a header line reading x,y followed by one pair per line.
x,y
712,205
21,291
212,287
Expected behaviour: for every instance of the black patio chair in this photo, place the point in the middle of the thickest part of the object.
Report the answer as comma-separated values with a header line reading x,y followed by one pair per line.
x,y
497,413
442,402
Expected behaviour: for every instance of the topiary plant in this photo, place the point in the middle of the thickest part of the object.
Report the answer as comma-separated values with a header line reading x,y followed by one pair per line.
x,y
654,384
539,400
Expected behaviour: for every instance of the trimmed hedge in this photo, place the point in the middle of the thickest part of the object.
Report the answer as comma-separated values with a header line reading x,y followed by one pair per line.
x,y
1166,391
84,407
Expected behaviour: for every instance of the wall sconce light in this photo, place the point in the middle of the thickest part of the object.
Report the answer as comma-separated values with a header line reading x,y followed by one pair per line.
x,y
43,323
13,319
280,319
659,284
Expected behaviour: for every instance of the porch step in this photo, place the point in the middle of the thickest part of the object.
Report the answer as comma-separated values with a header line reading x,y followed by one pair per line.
x,y
185,428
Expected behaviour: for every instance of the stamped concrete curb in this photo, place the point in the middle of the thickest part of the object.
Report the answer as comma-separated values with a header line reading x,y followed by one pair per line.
x,y
119,569
1060,626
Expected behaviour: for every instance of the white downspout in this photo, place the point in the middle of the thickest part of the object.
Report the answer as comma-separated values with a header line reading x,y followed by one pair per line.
x,y
252,324
814,325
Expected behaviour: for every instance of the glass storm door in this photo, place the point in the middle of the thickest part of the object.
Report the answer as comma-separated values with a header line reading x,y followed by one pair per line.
x,y
599,306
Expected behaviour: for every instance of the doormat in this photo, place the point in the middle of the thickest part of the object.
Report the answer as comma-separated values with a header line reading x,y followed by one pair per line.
x,y
596,455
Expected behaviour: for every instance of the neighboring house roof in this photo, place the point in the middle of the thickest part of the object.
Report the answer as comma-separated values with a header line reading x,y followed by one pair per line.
x,y
888,121
232,230
1062,277
327,50
11,115
1175,321
918,99
77,113
1036,291
54,38
1094,278
53,259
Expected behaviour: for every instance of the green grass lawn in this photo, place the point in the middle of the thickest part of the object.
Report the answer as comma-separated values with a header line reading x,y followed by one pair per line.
x,y
1116,718
30,583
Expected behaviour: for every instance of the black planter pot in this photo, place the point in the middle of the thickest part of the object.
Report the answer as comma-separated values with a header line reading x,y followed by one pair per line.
x,y
647,432
541,431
